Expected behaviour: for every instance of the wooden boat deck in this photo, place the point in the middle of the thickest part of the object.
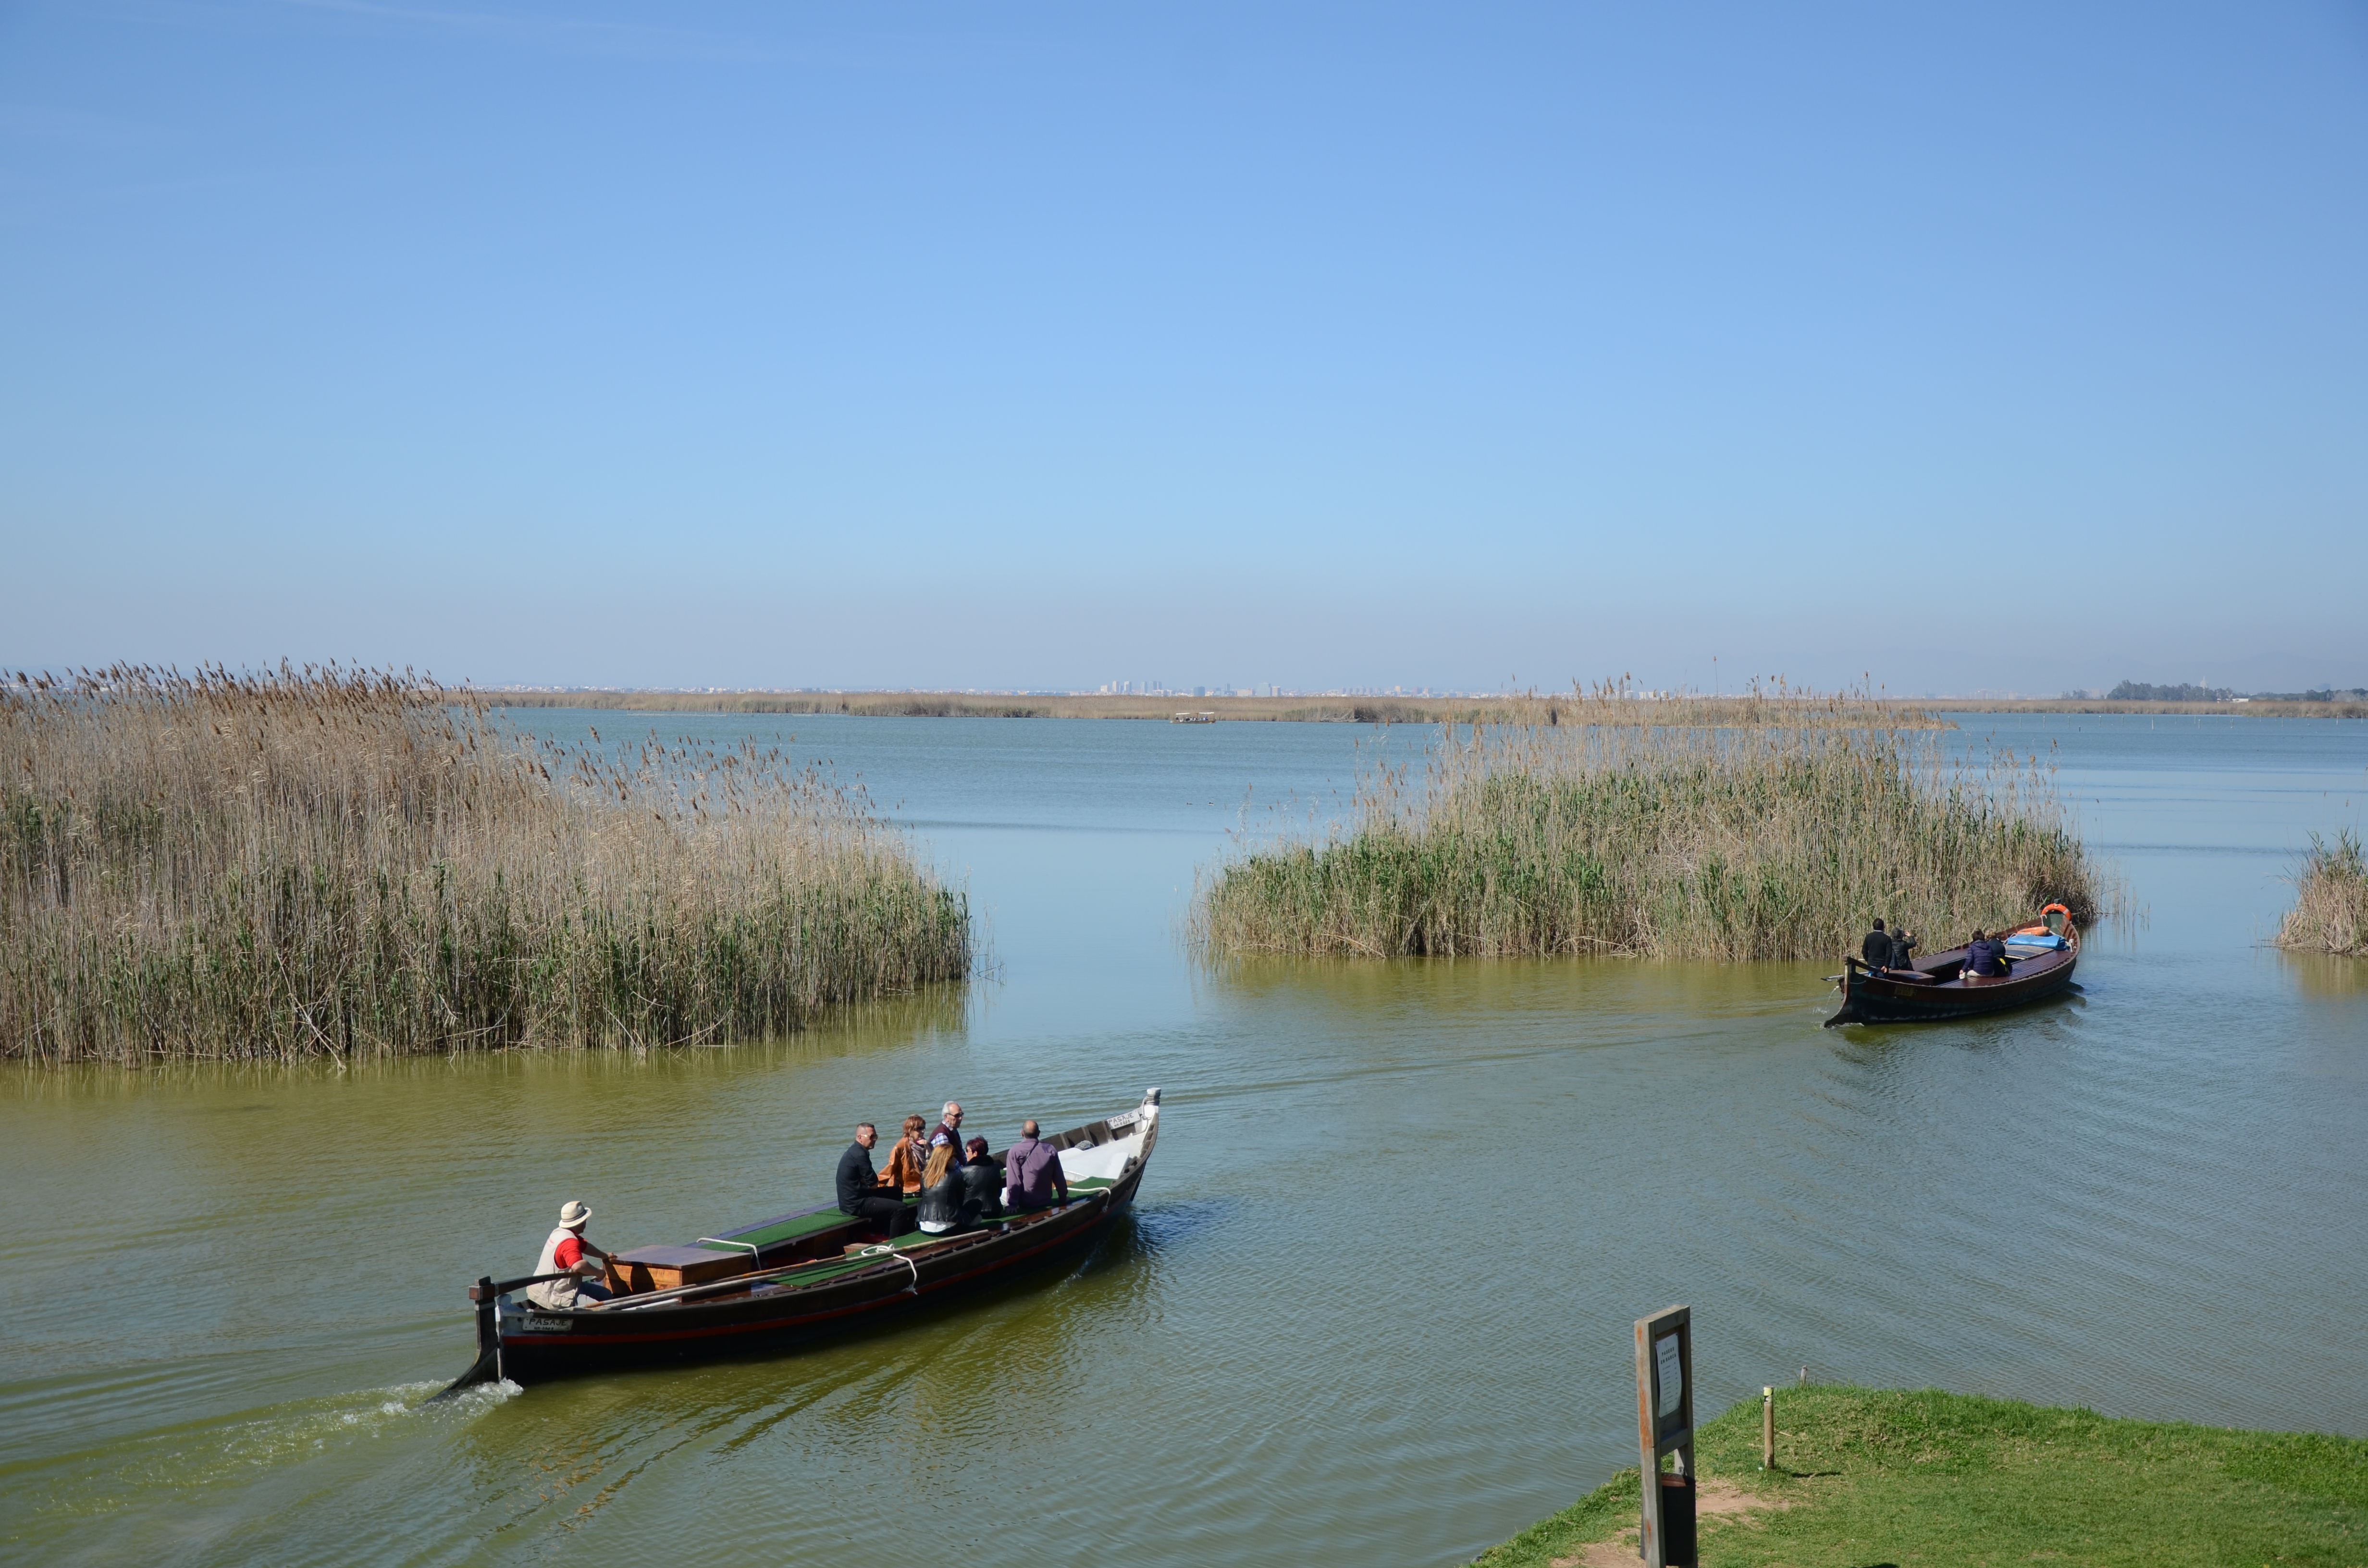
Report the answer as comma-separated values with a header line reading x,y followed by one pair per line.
x,y
1937,986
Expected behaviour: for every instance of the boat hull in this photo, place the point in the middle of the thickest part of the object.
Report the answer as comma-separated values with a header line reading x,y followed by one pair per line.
x,y
540,1345
791,1292
1872,998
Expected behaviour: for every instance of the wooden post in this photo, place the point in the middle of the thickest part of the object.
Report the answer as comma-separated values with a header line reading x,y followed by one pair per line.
x,y
1665,1425
1768,1427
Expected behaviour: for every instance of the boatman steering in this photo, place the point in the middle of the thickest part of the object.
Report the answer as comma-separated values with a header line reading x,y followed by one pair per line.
x,y
565,1251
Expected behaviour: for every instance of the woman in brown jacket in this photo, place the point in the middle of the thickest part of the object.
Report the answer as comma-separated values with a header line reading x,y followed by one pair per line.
x,y
905,1160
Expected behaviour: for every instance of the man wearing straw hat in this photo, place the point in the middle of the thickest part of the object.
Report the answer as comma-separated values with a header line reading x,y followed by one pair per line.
x,y
565,1251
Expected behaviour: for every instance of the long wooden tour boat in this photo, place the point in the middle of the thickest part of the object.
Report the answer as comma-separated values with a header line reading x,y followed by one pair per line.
x,y
2042,954
800,1277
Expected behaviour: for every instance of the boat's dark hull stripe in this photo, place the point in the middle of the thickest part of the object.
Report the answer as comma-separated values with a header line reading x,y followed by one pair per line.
x,y
569,1341
1869,1001
532,1357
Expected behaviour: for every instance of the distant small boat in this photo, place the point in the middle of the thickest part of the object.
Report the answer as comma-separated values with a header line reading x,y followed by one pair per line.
x,y
2041,955
801,1278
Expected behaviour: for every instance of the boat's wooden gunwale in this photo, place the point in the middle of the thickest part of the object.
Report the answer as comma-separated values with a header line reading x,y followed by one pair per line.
x,y
1872,998
772,1308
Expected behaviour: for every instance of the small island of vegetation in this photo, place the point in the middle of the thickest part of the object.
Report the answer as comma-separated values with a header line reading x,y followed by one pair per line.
x,y
2330,912
1775,836
335,862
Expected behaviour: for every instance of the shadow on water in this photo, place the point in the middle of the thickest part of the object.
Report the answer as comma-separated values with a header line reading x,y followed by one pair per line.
x,y
2051,1015
934,1014
2318,974
1467,988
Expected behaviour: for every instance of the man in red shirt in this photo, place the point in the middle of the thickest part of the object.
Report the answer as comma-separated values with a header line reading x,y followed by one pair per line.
x,y
565,1251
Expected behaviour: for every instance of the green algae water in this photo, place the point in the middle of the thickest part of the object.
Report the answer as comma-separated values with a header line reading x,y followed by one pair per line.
x,y
1374,1304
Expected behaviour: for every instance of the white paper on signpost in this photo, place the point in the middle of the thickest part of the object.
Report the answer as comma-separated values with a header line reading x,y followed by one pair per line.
x,y
1671,1374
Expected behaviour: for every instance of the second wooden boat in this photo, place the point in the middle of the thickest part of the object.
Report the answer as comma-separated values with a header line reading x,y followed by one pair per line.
x,y
2043,954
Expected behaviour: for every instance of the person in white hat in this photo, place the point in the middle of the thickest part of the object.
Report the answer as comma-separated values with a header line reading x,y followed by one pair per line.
x,y
565,1251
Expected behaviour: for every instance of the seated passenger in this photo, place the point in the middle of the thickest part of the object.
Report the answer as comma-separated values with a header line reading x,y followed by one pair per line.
x,y
1986,957
565,1251
948,1132
1032,1174
981,1181
1876,949
941,1190
859,1188
905,1160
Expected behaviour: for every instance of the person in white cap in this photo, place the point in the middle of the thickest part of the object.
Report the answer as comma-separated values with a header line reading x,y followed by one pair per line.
x,y
565,1251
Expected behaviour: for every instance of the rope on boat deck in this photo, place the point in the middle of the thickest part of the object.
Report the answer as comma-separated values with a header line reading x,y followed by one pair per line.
x,y
879,1248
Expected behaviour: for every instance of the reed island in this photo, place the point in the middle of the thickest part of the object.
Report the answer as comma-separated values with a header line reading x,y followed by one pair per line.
x,y
1775,830
2330,912
334,862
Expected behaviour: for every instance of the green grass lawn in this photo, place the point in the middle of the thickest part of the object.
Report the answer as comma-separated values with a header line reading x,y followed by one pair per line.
x,y
1870,1476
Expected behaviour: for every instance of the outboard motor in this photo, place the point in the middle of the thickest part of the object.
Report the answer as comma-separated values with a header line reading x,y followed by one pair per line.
x,y
982,1194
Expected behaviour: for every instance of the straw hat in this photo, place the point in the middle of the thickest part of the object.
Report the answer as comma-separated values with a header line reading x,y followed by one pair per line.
x,y
574,1215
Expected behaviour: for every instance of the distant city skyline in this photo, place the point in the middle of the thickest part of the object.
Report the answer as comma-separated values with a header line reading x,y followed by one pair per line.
x,y
2008,349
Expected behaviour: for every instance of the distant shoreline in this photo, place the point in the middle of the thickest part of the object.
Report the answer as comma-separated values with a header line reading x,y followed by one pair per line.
x,y
1313,709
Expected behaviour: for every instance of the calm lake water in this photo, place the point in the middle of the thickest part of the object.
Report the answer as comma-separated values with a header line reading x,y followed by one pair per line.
x,y
1375,1305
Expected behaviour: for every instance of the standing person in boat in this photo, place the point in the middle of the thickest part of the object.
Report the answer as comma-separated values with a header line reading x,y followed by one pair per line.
x,y
565,1251
1903,947
905,1160
1032,1174
1876,948
859,1188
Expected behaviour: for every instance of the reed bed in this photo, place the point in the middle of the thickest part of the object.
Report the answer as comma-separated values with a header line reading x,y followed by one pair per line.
x,y
2330,912
1775,841
328,861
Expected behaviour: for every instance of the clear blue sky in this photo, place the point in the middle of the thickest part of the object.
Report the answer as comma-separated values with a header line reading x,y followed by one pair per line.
x,y
2022,348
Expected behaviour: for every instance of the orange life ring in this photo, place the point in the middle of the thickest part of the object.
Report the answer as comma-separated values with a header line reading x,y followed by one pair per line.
x,y
2055,909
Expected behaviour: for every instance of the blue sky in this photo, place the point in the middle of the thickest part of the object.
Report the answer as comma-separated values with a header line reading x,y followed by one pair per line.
x,y
2020,347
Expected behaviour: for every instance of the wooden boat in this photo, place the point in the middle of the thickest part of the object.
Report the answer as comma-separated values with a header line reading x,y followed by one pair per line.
x,y
2041,956
801,1278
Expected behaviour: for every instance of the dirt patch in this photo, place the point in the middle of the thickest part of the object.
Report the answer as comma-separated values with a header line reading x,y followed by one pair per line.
x,y
1713,1499
1619,1554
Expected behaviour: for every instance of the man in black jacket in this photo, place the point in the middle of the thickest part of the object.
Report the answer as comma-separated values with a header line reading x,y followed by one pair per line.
x,y
858,1188
1876,949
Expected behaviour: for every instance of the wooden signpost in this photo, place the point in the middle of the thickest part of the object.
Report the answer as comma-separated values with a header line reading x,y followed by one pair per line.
x,y
1665,1426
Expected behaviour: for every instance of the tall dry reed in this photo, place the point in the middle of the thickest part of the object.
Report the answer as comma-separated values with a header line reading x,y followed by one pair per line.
x,y
2330,912
1781,840
327,860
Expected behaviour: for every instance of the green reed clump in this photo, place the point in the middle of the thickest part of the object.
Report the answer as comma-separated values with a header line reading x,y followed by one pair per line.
x,y
1776,842
2330,912
334,861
